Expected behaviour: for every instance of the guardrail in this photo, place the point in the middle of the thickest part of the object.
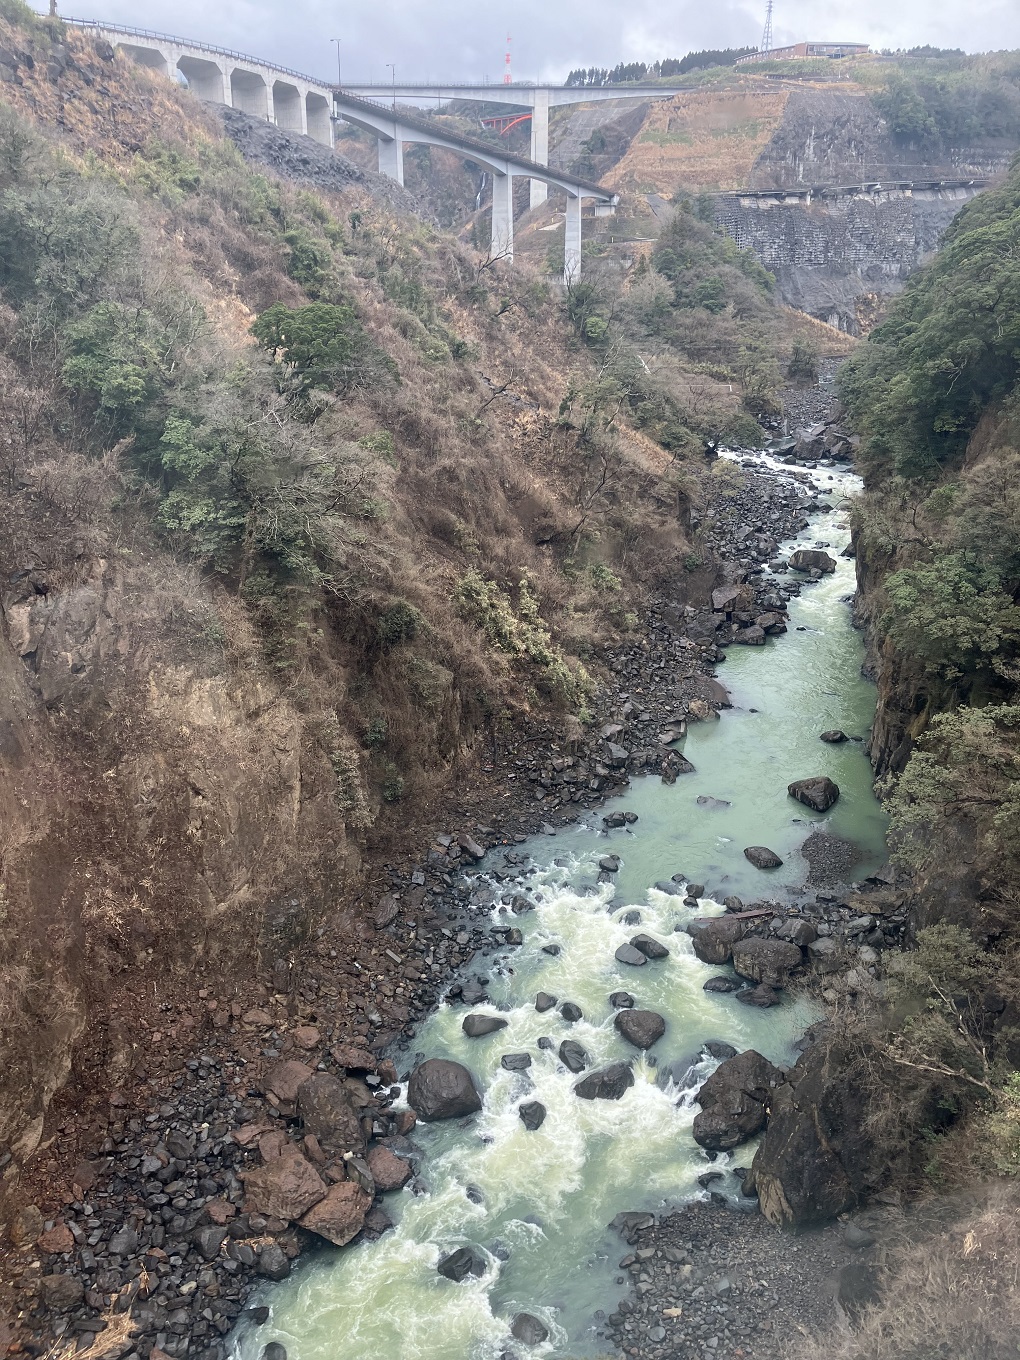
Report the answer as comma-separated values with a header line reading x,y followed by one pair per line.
x,y
100,27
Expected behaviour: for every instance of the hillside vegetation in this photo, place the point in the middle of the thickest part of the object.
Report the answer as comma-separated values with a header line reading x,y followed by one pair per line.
x,y
306,507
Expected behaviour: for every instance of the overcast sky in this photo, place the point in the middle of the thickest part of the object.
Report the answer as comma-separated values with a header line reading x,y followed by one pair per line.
x,y
428,39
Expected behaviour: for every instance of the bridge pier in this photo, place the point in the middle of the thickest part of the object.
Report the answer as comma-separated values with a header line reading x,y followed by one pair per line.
x,y
540,144
502,239
572,241
289,107
391,158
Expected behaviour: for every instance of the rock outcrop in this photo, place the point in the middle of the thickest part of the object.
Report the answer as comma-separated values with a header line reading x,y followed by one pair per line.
x,y
735,1101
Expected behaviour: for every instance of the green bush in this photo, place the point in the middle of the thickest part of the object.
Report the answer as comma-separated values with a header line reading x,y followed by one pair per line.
x,y
322,345
802,366
401,622
952,615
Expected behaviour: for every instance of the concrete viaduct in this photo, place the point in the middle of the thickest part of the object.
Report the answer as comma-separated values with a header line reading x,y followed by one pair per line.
x,y
539,98
305,105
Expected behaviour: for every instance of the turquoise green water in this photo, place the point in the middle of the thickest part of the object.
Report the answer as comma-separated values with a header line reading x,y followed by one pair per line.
x,y
543,1200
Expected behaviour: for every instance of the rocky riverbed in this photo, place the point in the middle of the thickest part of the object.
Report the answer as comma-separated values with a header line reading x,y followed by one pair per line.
x,y
258,1126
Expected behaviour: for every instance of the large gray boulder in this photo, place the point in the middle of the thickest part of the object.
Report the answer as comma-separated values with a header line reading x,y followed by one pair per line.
x,y
461,1263
441,1089
477,1026
819,793
735,1101
762,857
812,559
714,939
573,1057
651,948
768,961
640,1028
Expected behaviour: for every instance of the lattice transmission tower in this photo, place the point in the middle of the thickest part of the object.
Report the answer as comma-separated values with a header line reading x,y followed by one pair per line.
x,y
508,78
766,37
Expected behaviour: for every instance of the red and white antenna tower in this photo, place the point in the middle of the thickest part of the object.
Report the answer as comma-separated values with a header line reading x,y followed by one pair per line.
x,y
507,75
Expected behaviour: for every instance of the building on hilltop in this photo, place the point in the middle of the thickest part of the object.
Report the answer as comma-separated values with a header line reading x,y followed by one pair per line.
x,y
807,49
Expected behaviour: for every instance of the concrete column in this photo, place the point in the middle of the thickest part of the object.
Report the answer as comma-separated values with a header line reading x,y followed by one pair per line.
x,y
540,144
318,123
226,94
502,242
572,242
391,158
289,107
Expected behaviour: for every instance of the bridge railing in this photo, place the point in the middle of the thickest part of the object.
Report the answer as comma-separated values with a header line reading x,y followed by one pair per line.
x,y
100,27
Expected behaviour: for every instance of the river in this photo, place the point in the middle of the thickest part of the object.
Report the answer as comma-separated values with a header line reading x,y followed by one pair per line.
x,y
539,1202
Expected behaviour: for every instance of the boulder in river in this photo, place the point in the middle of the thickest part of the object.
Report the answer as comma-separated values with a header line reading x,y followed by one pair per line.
x,y
571,1011
340,1215
640,1028
544,1002
515,1062
762,857
532,1114
812,559
441,1089
528,1330
388,1171
620,1000
722,984
713,940
719,1049
628,954
834,736
573,1057
734,1101
768,961
819,792
477,1026
608,1083
461,1263
652,949
751,637
763,996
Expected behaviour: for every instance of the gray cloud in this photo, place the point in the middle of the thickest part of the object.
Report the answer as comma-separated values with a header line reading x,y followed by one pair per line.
x,y
443,38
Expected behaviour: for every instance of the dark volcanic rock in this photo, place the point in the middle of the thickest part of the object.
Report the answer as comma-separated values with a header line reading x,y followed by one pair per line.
x,y
714,939
532,1114
461,1263
477,1026
763,996
734,1101
824,1150
833,737
571,1012
621,1000
722,984
768,961
652,949
544,1002
515,1062
608,1083
528,1330
812,559
640,1028
628,954
441,1089
762,857
819,792
573,1056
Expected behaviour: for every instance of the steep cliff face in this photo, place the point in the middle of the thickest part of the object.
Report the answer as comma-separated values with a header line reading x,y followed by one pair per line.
x,y
835,254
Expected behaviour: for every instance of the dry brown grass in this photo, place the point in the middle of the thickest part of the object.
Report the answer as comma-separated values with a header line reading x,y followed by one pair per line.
x,y
950,1288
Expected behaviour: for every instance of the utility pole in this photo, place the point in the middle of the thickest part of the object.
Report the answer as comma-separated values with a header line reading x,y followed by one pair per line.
x,y
393,73
507,74
337,41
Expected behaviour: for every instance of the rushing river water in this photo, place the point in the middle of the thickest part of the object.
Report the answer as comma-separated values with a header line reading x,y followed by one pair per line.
x,y
539,1202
